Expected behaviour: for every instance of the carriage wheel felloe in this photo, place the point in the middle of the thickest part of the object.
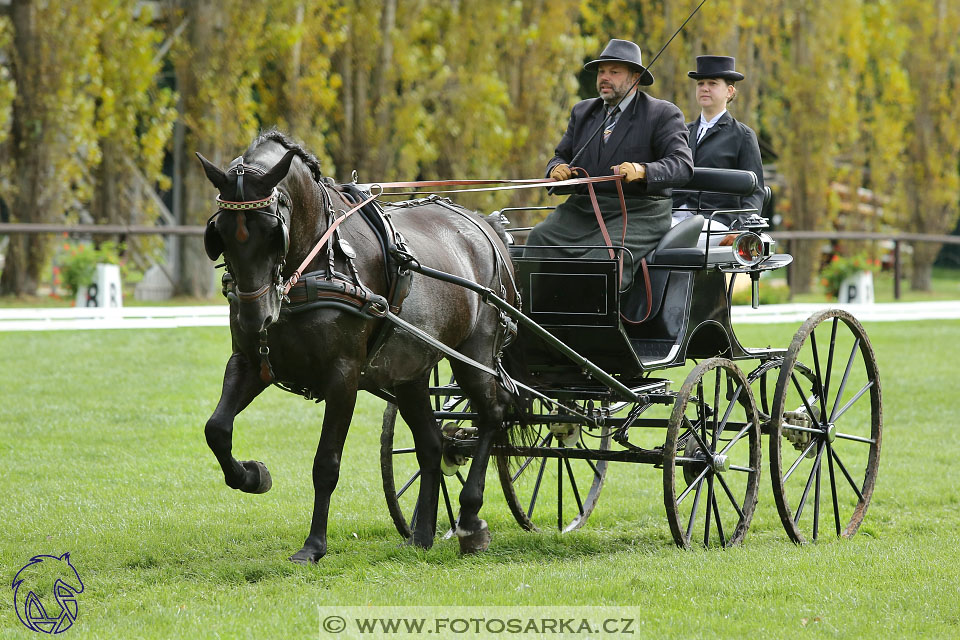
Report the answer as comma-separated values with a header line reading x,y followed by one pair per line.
x,y
825,428
400,473
557,493
711,457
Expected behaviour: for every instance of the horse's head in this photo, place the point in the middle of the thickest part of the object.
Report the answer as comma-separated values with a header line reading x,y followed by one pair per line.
x,y
250,231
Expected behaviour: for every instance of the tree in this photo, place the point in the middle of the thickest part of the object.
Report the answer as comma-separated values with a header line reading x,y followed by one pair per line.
x,y
52,138
932,135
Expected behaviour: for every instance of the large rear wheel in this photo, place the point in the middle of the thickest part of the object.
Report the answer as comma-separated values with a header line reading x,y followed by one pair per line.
x,y
826,428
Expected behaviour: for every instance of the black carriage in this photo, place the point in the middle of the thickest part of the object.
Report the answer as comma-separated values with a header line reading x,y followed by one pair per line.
x,y
593,392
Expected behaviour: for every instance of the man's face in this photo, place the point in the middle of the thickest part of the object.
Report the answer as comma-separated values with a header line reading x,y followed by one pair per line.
x,y
713,93
614,79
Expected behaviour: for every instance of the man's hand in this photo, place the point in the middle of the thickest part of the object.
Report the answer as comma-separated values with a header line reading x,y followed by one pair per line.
x,y
631,171
561,172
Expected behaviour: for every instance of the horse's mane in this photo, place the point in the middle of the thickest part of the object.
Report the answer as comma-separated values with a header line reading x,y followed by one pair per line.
x,y
275,135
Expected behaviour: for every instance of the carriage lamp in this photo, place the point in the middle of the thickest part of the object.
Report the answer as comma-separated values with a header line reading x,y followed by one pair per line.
x,y
748,249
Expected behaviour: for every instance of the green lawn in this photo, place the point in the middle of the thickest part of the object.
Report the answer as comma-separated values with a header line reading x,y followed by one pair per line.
x,y
102,454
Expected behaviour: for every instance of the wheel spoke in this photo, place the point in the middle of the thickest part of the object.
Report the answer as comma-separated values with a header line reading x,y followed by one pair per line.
x,y
846,474
799,460
847,436
859,394
693,510
446,501
527,462
573,485
409,482
816,505
806,490
716,410
716,515
819,375
803,396
559,494
706,523
696,480
843,381
833,488
726,414
833,343
736,438
697,437
536,488
733,500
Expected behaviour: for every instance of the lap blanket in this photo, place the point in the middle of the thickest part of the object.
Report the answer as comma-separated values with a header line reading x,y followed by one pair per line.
x,y
573,226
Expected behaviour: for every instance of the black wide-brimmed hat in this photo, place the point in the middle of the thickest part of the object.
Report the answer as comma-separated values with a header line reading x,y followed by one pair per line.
x,y
626,52
716,67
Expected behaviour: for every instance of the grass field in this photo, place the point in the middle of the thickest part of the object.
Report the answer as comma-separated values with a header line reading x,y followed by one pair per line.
x,y
102,454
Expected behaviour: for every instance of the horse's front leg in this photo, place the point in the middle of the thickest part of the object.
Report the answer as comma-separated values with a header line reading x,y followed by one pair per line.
x,y
241,384
338,412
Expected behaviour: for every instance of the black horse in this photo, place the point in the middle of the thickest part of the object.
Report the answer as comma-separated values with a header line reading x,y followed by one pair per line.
x,y
274,205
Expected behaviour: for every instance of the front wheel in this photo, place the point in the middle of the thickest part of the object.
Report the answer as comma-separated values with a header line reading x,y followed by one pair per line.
x,y
711,457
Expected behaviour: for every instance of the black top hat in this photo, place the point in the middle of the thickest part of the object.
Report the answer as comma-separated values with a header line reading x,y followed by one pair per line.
x,y
626,52
716,67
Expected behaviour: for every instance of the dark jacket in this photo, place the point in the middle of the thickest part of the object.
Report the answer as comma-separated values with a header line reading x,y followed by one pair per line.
x,y
728,144
651,132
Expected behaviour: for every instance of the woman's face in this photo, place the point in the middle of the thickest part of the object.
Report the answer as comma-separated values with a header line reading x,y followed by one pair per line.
x,y
713,93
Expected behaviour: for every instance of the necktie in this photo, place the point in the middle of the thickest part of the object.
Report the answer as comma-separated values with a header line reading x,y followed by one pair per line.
x,y
703,130
611,123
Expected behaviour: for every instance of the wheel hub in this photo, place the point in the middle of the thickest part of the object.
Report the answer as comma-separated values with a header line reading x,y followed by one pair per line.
x,y
831,432
566,433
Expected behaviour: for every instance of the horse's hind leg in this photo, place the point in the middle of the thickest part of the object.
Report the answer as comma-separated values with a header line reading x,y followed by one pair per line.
x,y
481,388
241,384
413,401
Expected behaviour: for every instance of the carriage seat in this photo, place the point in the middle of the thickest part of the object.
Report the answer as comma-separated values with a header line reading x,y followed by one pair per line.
x,y
679,244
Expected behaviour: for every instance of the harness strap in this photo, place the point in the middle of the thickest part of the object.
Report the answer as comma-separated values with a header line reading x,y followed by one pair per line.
x,y
623,236
298,273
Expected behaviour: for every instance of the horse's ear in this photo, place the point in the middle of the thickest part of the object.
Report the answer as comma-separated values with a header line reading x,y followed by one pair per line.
x,y
214,173
279,171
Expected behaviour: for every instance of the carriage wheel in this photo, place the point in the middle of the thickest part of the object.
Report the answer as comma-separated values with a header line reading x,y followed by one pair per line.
x,y
711,457
401,478
826,428
555,493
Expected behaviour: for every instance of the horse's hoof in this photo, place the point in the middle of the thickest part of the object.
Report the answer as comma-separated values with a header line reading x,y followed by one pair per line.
x,y
262,476
474,541
413,542
306,556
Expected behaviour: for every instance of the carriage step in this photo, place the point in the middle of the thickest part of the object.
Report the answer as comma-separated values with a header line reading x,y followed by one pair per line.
x,y
648,350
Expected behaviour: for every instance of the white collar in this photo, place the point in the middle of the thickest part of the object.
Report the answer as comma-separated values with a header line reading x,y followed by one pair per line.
x,y
709,123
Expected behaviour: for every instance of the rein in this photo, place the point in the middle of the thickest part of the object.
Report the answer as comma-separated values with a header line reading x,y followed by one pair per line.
x,y
298,272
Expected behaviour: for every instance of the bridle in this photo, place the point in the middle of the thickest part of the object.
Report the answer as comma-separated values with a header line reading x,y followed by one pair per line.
x,y
269,206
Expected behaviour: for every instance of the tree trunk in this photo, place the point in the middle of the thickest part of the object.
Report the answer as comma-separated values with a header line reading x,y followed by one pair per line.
x,y
26,254
195,270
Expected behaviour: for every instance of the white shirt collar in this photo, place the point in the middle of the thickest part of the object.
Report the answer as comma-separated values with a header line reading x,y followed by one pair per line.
x,y
709,123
